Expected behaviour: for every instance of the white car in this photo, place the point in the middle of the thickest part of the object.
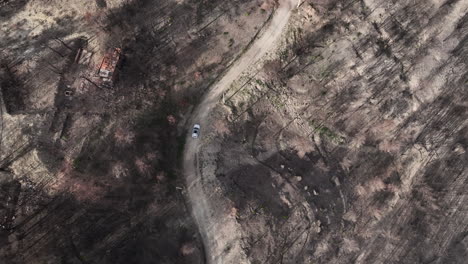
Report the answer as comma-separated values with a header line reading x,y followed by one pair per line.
x,y
196,131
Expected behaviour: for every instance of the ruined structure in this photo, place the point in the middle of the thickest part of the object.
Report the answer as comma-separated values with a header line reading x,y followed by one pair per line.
x,y
108,69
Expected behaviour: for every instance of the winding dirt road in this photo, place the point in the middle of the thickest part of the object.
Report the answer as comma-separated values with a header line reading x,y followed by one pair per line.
x,y
220,233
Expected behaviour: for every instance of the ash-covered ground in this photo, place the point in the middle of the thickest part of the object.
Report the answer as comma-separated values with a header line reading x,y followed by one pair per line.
x,y
91,173
347,144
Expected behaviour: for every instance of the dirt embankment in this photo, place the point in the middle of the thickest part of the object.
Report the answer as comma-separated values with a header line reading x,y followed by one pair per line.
x,y
350,145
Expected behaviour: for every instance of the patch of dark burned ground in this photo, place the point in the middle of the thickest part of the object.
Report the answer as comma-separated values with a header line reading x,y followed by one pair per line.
x,y
256,186
142,201
58,57
372,163
149,45
317,185
155,143
8,8
148,242
251,187
12,90
155,132
100,232
135,218
17,46
158,55
9,194
458,250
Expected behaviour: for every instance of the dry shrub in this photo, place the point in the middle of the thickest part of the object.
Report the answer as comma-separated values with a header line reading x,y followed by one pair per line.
x,y
370,187
85,190
152,156
198,76
376,213
233,212
171,120
161,93
161,176
268,4
187,249
383,129
350,245
350,216
119,170
346,164
322,166
88,17
375,185
389,146
302,145
360,190
358,141
142,166
82,189
124,136
173,70
321,249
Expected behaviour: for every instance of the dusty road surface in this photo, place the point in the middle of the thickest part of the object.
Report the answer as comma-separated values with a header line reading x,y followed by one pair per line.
x,y
221,237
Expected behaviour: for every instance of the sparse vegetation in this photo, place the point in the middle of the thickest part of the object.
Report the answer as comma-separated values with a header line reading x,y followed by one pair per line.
x,y
108,158
322,130
377,159
344,140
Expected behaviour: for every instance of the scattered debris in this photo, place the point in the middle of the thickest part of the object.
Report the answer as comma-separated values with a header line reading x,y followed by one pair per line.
x,y
108,70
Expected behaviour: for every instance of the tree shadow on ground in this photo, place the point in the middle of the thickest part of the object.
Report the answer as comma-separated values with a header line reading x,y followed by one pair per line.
x,y
9,8
96,219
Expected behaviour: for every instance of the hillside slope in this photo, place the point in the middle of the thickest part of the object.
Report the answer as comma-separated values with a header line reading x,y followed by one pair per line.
x,y
349,144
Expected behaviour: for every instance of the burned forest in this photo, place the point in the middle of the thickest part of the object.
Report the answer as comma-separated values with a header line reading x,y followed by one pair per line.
x,y
233,132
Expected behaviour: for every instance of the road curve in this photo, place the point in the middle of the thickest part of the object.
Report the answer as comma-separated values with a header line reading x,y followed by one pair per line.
x,y
218,234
